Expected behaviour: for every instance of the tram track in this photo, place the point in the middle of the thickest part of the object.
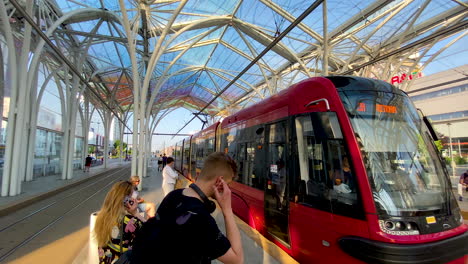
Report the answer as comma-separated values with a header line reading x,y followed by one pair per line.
x,y
47,216
55,202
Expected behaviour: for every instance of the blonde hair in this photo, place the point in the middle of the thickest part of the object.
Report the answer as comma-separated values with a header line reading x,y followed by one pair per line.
x,y
112,212
218,164
134,178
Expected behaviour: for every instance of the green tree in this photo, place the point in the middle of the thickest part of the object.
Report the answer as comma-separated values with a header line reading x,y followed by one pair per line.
x,y
439,145
91,149
117,147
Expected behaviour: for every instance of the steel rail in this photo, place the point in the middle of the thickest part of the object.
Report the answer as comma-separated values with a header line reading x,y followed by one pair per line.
x,y
50,224
49,205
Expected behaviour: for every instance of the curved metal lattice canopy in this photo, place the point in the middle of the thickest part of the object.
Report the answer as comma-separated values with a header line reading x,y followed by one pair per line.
x,y
210,42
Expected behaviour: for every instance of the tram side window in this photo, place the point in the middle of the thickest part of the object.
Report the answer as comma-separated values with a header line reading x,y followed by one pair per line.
x,y
249,167
209,146
325,179
240,158
256,158
277,174
200,151
186,157
248,153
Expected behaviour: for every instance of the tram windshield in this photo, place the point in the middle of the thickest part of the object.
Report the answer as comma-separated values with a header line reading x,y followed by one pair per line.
x,y
402,164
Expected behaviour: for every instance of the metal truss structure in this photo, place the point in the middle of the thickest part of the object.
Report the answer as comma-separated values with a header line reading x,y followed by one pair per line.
x,y
144,58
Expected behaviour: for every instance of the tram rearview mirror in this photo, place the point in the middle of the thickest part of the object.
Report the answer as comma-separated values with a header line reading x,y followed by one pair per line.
x,y
328,122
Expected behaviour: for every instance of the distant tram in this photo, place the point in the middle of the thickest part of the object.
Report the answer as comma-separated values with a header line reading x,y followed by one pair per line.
x,y
338,170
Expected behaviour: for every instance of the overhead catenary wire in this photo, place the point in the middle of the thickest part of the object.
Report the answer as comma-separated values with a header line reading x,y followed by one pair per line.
x,y
63,58
259,56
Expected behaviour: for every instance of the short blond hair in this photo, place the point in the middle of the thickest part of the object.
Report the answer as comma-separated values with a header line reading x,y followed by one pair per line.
x,y
218,164
134,178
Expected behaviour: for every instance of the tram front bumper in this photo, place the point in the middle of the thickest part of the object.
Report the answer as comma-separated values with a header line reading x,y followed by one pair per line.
x,y
371,251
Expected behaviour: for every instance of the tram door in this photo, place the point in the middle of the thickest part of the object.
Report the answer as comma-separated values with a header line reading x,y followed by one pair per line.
x,y
276,202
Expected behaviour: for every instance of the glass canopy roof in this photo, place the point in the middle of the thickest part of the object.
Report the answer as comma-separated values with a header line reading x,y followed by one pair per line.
x,y
210,42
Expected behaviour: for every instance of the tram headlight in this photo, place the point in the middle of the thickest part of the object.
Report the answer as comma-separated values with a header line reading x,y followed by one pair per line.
x,y
398,225
389,225
409,226
400,228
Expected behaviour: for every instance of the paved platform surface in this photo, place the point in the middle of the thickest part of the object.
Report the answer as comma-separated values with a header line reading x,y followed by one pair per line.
x,y
253,242
66,237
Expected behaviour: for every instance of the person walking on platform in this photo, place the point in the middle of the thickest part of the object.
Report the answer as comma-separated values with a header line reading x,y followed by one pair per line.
x,y
169,176
88,161
184,218
463,184
164,160
117,223
160,161
143,206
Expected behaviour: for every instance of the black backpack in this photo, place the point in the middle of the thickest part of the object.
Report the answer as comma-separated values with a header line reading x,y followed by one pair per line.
x,y
161,234
146,241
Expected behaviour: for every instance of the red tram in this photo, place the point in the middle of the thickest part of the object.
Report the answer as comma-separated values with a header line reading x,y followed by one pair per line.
x,y
338,170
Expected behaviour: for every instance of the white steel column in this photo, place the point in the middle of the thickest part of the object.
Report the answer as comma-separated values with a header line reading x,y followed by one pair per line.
x,y
31,121
136,82
140,91
151,65
73,103
124,116
69,127
107,122
14,167
86,123
35,105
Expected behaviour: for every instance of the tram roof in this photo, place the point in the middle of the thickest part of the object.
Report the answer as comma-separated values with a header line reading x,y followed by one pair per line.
x,y
210,42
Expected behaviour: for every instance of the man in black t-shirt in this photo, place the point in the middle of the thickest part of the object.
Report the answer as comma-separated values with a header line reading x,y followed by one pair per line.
x,y
184,231
88,161
164,160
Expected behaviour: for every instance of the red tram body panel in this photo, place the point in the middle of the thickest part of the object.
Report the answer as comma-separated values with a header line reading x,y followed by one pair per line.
x,y
339,170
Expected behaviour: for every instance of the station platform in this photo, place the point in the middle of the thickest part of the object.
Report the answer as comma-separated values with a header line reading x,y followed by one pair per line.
x,y
51,224
257,249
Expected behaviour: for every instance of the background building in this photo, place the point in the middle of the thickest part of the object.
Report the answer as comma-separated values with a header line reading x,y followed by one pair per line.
x,y
443,97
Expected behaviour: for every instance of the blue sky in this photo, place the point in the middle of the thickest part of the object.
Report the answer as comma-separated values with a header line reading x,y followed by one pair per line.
x,y
171,124
456,55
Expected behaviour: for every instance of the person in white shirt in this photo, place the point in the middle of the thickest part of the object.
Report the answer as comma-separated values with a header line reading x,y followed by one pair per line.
x,y
169,176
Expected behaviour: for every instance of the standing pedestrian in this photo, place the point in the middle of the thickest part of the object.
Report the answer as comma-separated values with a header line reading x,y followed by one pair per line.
x,y
169,176
184,218
88,161
160,161
164,160
463,184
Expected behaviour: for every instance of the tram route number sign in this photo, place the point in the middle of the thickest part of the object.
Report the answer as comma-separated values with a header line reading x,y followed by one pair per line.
x,y
379,108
